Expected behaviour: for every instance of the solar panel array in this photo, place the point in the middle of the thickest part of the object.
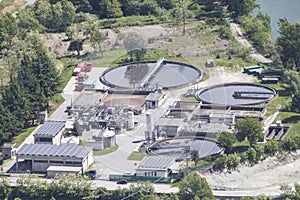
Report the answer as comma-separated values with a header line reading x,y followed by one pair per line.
x,y
48,150
156,162
50,128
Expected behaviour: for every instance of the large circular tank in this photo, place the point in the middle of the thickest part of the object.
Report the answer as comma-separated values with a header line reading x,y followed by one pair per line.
x,y
236,94
151,75
181,147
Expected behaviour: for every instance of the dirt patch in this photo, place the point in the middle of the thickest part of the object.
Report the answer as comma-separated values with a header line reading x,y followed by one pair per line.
x,y
13,7
157,36
271,172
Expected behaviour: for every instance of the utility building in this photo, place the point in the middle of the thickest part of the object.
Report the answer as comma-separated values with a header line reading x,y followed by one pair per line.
x,y
157,166
42,156
154,100
49,133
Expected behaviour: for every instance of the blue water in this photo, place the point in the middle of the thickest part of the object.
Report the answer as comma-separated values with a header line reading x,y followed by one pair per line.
x,y
276,9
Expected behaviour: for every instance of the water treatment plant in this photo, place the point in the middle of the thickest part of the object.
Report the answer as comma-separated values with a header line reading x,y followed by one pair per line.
x,y
134,105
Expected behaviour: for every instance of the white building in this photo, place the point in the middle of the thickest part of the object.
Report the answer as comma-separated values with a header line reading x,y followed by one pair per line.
x,y
154,100
52,171
222,118
156,166
42,156
49,133
168,127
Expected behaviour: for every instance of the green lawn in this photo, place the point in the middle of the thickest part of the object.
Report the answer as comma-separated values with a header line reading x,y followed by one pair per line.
x,y
292,119
107,60
281,101
106,151
137,155
22,136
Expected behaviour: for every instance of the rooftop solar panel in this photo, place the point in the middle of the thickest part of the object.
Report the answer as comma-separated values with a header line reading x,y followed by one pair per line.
x,y
50,128
62,150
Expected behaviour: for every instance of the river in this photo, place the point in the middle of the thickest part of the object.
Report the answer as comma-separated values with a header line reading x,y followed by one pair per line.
x,y
280,9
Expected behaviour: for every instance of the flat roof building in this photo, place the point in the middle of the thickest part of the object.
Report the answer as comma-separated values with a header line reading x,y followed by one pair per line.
x,y
41,156
154,100
160,166
49,133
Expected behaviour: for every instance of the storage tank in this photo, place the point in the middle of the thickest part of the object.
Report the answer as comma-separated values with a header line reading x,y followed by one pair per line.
x,y
130,120
149,126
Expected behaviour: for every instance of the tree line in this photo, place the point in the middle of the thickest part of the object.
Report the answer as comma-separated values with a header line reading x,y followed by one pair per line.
x,y
79,187
33,78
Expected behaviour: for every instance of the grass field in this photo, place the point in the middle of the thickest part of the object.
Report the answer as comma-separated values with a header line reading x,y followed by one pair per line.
x,y
22,136
106,151
137,155
280,102
292,119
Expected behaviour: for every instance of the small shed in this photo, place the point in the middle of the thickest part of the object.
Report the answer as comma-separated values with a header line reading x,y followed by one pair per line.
x,y
8,150
154,100
248,68
209,63
269,80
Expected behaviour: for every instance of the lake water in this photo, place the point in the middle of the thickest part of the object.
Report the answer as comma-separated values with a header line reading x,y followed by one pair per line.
x,y
276,9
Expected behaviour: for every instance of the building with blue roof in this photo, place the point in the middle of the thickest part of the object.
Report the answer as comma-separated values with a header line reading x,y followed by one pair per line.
x,y
42,156
49,133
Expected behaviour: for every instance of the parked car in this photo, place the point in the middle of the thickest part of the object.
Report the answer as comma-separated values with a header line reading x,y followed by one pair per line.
x,y
123,182
91,174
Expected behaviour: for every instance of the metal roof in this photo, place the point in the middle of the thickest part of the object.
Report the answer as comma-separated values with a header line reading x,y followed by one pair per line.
x,y
169,122
156,162
63,150
50,128
154,96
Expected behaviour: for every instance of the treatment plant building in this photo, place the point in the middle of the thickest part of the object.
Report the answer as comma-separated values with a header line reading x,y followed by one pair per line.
x,y
42,156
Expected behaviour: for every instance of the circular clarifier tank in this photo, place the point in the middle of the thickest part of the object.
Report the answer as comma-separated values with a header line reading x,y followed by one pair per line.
x,y
178,147
151,75
237,94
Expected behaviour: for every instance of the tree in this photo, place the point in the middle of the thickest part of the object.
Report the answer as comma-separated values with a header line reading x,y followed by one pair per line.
x,y
76,45
252,155
249,128
55,16
220,162
289,44
296,103
194,186
135,45
8,29
289,144
226,140
289,193
195,156
271,147
258,29
107,8
233,160
291,80
94,36
240,8
5,188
